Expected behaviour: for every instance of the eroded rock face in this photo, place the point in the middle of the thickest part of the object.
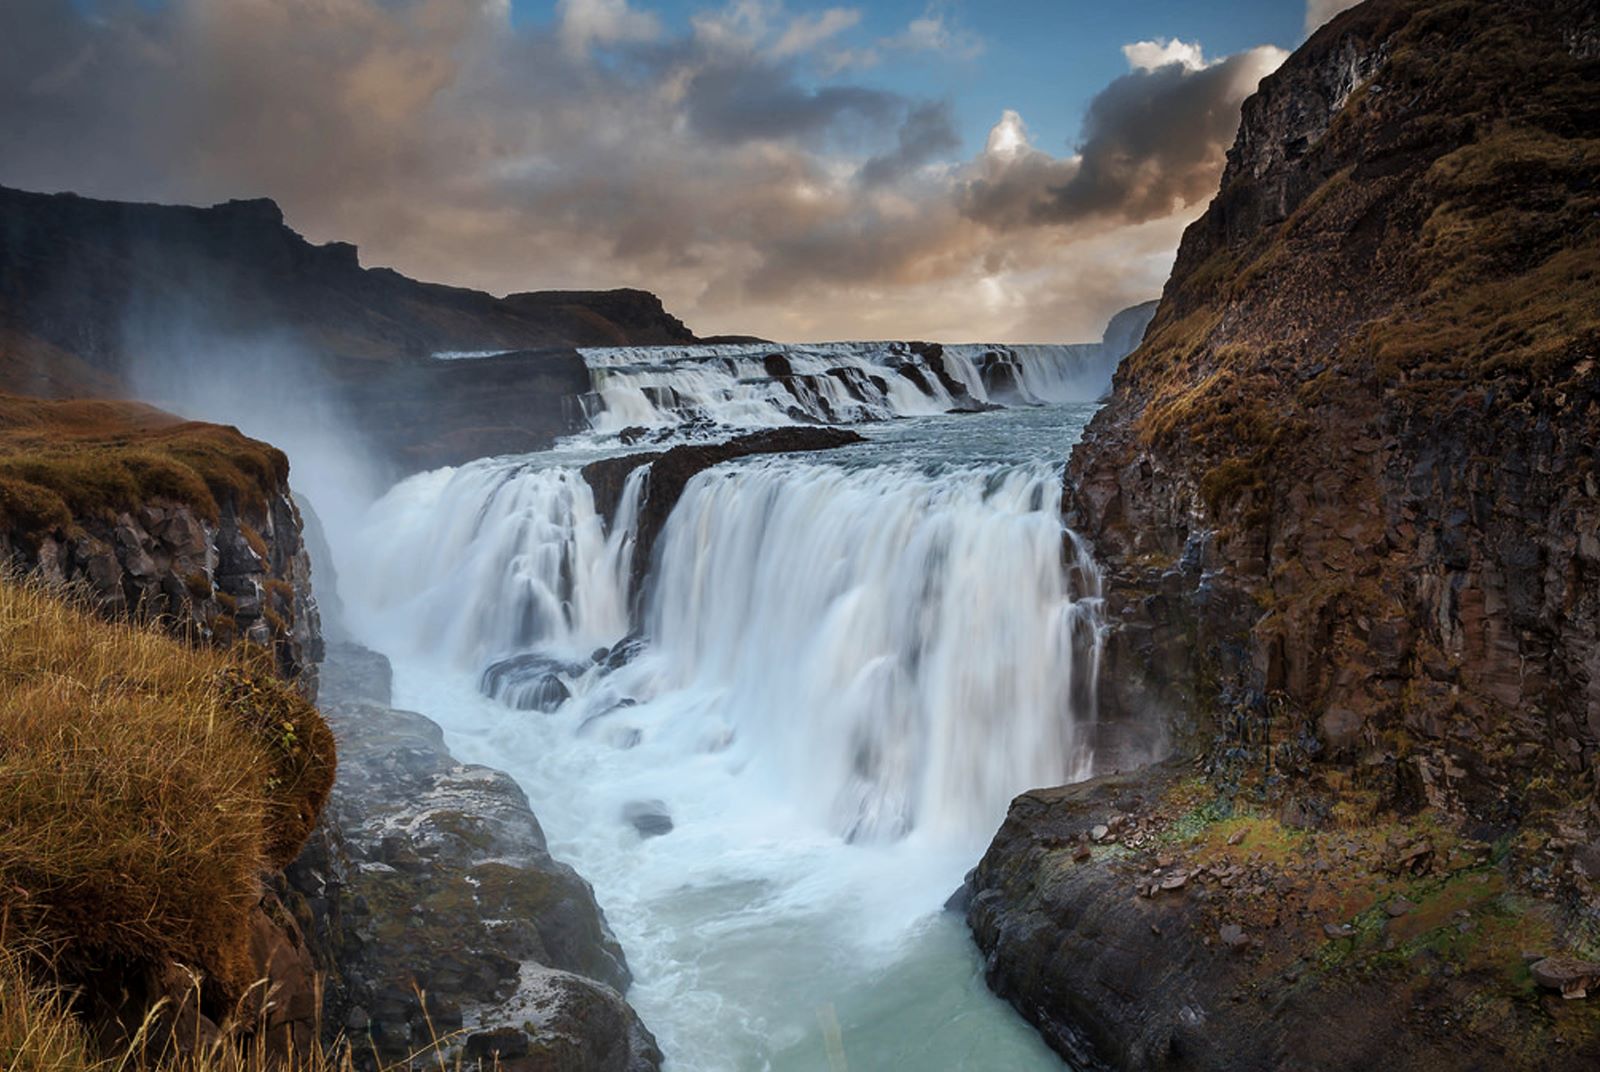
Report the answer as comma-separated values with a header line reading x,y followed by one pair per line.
x,y
441,883
247,577
1342,493
1324,484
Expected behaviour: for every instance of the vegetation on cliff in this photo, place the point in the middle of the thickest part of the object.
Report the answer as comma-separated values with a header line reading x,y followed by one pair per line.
x,y
1372,391
61,461
147,786
1346,496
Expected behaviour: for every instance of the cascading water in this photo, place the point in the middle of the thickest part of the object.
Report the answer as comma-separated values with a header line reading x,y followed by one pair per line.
x,y
517,554
745,386
896,646
848,664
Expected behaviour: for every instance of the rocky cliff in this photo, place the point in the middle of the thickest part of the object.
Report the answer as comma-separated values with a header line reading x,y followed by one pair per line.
x,y
441,910
185,524
106,298
1345,493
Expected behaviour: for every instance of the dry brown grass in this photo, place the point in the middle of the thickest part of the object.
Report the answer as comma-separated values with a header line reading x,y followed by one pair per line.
x,y
81,458
40,1033
144,787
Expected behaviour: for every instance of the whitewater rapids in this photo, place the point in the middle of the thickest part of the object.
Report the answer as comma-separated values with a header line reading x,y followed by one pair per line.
x,y
848,665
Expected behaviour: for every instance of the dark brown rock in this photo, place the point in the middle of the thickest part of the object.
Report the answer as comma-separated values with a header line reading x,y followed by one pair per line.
x,y
671,471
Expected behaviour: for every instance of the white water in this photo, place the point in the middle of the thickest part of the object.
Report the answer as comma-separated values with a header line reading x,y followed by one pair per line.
x,y
739,385
852,662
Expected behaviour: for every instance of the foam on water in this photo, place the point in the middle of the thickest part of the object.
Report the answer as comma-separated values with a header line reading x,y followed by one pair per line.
x,y
849,665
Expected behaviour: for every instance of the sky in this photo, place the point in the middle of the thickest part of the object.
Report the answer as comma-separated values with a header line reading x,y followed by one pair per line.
x,y
935,169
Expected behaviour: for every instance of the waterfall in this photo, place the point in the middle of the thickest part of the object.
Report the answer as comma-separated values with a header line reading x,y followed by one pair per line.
x,y
890,648
496,557
758,386
903,648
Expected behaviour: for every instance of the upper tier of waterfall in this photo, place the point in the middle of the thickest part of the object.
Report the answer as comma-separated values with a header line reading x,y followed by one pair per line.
x,y
761,385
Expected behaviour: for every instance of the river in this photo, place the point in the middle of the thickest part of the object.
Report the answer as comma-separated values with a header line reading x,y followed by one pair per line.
x,y
848,663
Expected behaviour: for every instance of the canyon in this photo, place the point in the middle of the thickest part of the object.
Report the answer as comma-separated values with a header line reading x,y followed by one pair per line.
x,y
678,684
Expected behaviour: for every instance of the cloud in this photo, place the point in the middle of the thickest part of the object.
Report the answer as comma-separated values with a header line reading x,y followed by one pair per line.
x,y
806,32
721,167
1155,142
1320,11
604,22
933,31
1149,55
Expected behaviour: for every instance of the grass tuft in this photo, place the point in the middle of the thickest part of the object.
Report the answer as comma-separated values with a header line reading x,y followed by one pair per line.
x,y
144,787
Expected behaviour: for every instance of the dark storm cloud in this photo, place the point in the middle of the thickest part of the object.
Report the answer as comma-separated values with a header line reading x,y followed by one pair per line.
x,y
927,134
748,99
1155,142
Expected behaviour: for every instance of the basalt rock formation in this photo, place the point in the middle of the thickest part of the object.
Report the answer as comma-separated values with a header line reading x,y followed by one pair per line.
x,y
1346,497
187,524
110,299
671,471
443,906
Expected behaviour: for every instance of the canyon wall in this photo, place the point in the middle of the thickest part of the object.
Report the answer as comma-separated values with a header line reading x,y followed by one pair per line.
x,y
224,310
1345,495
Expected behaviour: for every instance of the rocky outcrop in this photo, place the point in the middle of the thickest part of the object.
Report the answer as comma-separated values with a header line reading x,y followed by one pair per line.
x,y
671,471
210,548
1367,407
1140,922
107,298
1342,493
444,909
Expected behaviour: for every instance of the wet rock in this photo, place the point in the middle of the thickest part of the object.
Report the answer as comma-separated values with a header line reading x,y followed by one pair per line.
x,y
571,1024
448,887
528,682
649,817
498,1045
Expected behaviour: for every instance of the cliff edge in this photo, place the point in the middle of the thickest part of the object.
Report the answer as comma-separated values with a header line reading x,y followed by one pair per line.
x,y
1346,497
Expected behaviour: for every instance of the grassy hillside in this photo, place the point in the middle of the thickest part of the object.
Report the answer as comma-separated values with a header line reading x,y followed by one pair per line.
x,y
145,786
77,459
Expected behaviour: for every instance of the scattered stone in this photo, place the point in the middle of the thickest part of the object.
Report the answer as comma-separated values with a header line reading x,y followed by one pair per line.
x,y
1237,837
1233,936
1081,851
1338,930
1573,977
1100,832
1399,907
1175,881
649,817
